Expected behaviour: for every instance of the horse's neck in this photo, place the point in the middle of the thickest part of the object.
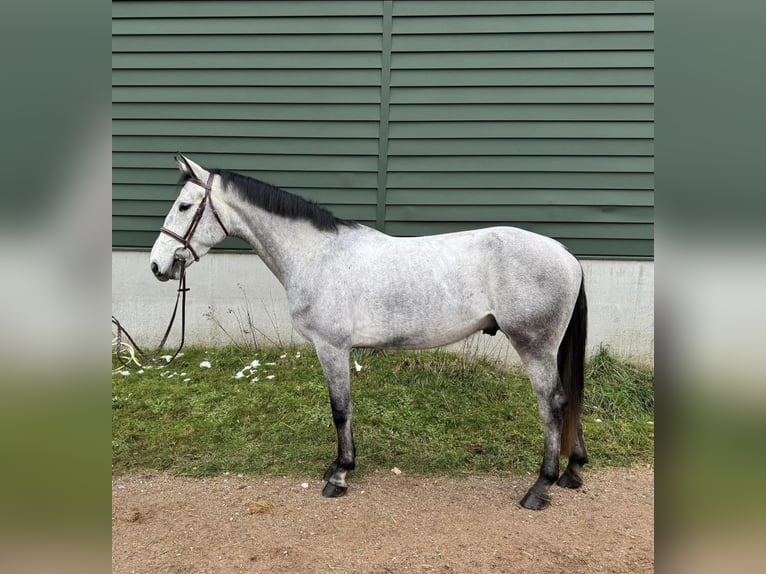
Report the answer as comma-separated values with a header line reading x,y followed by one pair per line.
x,y
283,244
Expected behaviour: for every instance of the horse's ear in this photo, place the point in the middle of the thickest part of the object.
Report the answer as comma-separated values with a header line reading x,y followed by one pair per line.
x,y
189,168
183,164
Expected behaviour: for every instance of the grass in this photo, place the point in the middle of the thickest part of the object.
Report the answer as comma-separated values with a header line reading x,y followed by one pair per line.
x,y
424,412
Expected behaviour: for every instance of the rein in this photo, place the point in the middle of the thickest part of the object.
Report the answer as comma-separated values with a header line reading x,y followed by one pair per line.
x,y
123,348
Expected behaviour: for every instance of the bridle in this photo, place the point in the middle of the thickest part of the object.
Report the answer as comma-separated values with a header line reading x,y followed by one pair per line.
x,y
186,238
121,347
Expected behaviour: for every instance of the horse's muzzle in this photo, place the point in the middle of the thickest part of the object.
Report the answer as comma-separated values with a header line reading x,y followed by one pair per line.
x,y
158,274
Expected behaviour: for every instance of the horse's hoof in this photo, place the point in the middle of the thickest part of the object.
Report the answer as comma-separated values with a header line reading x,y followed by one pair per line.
x,y
331,490
569,480
535,501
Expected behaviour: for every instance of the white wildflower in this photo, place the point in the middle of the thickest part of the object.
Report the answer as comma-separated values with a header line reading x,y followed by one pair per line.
x,y
124,373
187,379
255,364
598,420
140,371
205,365
357,366
282,356
269,377
166,357
298,355
239,375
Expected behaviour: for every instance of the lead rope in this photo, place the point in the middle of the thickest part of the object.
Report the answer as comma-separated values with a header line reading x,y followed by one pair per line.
x,y
126,352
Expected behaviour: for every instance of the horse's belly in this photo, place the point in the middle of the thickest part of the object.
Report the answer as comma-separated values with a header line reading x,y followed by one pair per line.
x,y
401,330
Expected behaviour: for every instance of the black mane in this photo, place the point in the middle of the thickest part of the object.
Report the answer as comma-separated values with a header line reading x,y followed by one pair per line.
x,y
280,202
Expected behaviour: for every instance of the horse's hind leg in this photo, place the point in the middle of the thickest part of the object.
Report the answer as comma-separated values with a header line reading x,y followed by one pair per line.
x,y
336,369
571,477
543,373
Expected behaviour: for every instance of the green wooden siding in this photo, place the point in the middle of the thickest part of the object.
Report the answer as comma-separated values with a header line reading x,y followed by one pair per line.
x,y
415,117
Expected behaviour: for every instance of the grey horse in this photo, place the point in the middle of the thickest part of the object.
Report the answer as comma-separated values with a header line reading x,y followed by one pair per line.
x,y
349,285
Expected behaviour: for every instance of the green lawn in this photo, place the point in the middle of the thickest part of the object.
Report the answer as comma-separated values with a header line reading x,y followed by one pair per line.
x,y
424,412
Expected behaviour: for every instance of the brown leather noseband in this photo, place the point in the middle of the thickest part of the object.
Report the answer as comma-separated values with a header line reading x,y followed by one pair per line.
x,y
186,238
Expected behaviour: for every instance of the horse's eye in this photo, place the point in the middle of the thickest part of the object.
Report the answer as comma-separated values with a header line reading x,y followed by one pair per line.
x,y
184,206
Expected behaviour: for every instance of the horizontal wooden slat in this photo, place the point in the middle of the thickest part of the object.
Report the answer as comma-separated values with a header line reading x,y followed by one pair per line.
x,y
247,128
148,215
493,197
279,25
249,43
499,164
231,8
498,7
529,77
154,213
557,230
523,180
511,112
192,145
530,213
425,180
519,60
522,42
285,179
427,197
241,111
611,248
246,94
168,193
504,24
247,60
524,95
235,162
583,130
520,147
193,79
398,112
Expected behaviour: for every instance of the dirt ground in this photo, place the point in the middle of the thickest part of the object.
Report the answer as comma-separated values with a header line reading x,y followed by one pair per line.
x,y
387,523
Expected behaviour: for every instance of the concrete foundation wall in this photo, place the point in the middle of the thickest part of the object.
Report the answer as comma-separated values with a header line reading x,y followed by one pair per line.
x,y
236,293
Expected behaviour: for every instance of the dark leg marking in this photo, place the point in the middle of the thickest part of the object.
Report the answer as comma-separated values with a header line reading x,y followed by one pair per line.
x,y
571,477
551,401
336,368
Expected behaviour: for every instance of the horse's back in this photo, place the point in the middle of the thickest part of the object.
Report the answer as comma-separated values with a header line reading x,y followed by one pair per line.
x,y
383,291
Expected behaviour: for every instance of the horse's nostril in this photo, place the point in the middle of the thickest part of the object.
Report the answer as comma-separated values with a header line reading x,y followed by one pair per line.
x,y
155,269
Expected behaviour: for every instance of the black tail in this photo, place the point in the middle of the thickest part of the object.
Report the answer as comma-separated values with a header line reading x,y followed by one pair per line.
x,y
571,364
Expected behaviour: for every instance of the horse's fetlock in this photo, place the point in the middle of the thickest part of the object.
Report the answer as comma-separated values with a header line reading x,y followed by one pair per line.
x,y
560,401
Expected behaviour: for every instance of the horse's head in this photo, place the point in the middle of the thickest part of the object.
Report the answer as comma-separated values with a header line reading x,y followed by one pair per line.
x,y
193,225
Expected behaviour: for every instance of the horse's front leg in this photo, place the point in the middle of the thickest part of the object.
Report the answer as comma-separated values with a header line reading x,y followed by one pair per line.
x,y
335,363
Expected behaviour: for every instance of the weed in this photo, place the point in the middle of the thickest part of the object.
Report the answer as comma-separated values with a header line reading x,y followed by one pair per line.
x,y
249,334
